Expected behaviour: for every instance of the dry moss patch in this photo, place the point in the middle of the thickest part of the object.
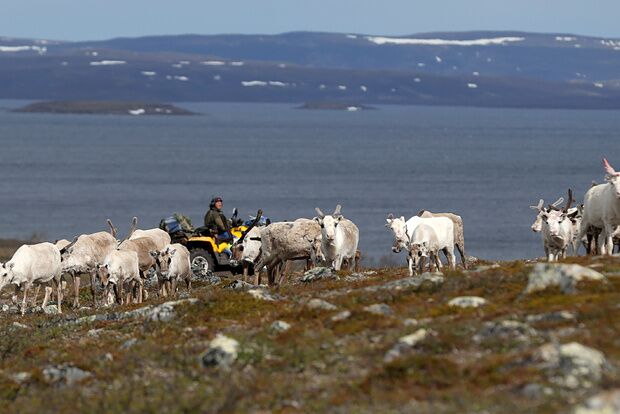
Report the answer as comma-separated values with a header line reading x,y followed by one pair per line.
x,y
320,364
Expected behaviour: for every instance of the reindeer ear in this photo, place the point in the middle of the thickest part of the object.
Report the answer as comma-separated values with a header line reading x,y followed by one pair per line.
x,y
172,252
402,218
154,253
11,265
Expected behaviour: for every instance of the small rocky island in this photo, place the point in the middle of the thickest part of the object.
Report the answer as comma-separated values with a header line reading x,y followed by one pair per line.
x,y
104,108
337,106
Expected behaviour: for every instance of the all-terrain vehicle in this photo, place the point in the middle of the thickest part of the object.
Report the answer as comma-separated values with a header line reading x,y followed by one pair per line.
x,y
207,252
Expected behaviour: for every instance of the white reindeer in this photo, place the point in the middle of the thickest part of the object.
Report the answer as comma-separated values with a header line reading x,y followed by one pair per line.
x,y
424,244
339,238
81,257
403,230
173,266
602,209
34,264
557,230
537,225
120,271
282,242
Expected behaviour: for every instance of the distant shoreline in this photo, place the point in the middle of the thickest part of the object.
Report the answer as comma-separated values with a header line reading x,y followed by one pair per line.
x,y
104,108
335,106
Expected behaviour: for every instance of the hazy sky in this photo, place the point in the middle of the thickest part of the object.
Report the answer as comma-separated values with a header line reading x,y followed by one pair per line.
x,y
102,19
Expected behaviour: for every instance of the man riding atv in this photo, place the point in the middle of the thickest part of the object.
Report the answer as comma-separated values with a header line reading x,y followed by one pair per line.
x,y
217,223
215,220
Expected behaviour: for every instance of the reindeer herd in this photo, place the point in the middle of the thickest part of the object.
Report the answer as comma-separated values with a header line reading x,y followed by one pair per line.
x,y
595,224
122,266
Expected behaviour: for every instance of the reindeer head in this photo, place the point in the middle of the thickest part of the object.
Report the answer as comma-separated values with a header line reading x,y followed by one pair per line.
x,y
316,251
537,225
553,218
399,228
612,177
163,259
328,224
6,274
103,272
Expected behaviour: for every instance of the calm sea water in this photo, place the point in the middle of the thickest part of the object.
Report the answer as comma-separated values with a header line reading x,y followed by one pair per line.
x,y
63,175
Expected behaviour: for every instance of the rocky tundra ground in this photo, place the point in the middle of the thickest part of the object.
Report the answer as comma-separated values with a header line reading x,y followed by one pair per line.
x,y
510,337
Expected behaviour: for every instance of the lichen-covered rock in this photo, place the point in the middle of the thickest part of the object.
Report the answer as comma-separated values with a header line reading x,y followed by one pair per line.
x,y
379,309
341,316
406,344
239,285
535,390
165,312
222,352
416,283
279,327
559,316
50,310
262,294
571,365
94,333
320,304
566,276
319,273
21,377
606,402
424,282
467,302
67,374
129,343
507,329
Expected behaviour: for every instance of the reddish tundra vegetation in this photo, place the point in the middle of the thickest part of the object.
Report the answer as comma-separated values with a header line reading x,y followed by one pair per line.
x,y
373,341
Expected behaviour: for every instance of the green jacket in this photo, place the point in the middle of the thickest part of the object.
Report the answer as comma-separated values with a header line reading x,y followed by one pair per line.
x,y
216,221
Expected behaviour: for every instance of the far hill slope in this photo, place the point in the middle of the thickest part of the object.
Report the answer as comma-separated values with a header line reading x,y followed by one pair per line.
x,y
502,69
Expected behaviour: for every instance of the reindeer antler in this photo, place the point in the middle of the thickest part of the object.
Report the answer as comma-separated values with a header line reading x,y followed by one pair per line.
x,y
608,168
570,200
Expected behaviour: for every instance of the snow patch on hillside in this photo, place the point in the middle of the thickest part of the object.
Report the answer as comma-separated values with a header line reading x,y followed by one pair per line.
x,y
13,49
379,40
108,63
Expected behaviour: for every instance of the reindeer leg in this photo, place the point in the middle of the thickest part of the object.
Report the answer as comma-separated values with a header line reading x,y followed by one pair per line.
x,y
26,287
245,266
93,281
452,258
461,248
256,277
46,298
410,264
431,262
140,291
36,294
59,292
76,290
